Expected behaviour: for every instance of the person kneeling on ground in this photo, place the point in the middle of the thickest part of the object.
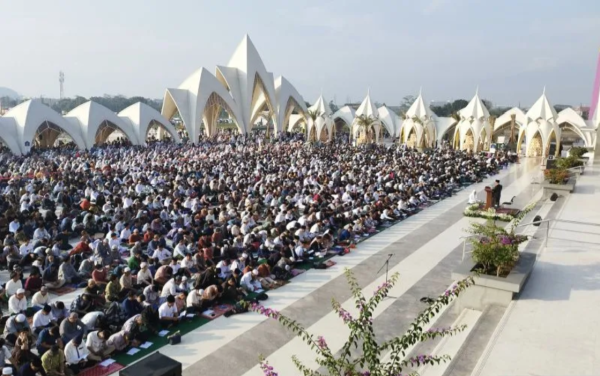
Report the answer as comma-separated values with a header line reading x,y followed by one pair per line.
x,y
167,313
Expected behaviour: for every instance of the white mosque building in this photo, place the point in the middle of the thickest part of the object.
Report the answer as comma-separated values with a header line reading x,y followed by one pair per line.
x,y
249,93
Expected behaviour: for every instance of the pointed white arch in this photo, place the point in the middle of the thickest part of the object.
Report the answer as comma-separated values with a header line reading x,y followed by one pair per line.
x,y
288,98
140,115
198,93
30,115
90,116
8,131
389,119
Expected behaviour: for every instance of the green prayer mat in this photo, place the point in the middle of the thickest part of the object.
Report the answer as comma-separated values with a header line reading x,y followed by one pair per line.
x,y
158,342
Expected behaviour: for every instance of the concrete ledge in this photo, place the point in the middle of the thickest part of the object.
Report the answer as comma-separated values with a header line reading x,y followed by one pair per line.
x,y
491,289
559,189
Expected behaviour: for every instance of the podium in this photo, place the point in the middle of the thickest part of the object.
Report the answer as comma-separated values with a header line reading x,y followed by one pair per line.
x,y
488,198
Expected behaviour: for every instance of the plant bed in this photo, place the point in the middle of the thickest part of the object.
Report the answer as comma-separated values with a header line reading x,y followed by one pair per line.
x,y
560,189
491,289
499,214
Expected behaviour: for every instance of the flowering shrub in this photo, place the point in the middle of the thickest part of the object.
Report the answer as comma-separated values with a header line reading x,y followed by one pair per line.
x,y
556,175
474,211
568,162
368,357
495,249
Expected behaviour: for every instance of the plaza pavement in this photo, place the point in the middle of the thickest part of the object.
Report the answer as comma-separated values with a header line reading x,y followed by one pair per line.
x,y
553,328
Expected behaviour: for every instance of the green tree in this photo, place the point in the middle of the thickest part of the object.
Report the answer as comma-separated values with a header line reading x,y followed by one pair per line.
x,y
362,354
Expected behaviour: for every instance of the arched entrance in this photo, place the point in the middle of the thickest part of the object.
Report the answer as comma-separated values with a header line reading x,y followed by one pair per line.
x,y
552,146
218,116
260,102
341,128
535,145
483,142
157,132
108,132
49,135
469,141
324,135
570,135
411,139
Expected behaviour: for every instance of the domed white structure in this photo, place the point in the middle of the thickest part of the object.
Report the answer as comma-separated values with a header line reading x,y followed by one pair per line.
x,y
541,128
366,110
418,127
243,88
141,118
474,129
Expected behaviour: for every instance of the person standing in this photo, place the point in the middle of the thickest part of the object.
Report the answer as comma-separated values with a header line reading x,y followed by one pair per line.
x,y
496,193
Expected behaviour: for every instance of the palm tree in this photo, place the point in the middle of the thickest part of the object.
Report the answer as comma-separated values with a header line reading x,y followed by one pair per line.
x,y
365,123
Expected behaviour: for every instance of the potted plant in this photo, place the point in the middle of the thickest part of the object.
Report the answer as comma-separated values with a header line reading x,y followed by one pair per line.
x,y
556,175
495,250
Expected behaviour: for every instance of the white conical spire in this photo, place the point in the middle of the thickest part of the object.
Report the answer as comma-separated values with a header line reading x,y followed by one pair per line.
x,y
321,106
419,109
475,109
367,107
542,109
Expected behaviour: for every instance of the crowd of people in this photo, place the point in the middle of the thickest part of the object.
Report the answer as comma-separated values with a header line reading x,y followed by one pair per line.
x,y
147,233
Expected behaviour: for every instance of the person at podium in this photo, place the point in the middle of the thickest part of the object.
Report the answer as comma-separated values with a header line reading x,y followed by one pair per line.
x,y
496,193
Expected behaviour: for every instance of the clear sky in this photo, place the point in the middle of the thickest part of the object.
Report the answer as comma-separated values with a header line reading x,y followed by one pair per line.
x,y
510,48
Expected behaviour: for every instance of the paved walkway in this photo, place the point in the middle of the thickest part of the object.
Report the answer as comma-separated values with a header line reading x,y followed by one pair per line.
x,y
554,326
426,248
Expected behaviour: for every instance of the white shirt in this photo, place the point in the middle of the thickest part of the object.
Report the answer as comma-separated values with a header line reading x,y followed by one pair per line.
x,y
161,254
144,276
89,320
225,270
125,234
12,287
40,320
39,300
165,311
73,354
170,288
26,249
41,233
249,284
16,305
194,298
93,342
14,226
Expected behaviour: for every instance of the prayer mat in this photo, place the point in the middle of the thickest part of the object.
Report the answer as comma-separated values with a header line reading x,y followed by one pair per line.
x,y
63,290
281,284
157,342
98,370
219,311
329,263
296,272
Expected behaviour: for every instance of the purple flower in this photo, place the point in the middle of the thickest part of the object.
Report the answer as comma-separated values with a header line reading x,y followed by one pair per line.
x,y
505,240
267,369
345,315
321,343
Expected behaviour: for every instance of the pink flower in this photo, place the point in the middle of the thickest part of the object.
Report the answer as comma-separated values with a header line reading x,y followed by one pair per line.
x,y
321,343
267,369
345,315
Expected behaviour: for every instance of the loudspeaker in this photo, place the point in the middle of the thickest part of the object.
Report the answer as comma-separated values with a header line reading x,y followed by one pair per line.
x,y
536,221
156,364
554,197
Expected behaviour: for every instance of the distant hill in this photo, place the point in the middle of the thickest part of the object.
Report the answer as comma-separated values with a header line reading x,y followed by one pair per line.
x,y
6,92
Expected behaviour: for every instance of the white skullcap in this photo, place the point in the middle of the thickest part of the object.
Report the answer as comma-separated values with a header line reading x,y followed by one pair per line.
x,y
20,291
20,317
255,272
